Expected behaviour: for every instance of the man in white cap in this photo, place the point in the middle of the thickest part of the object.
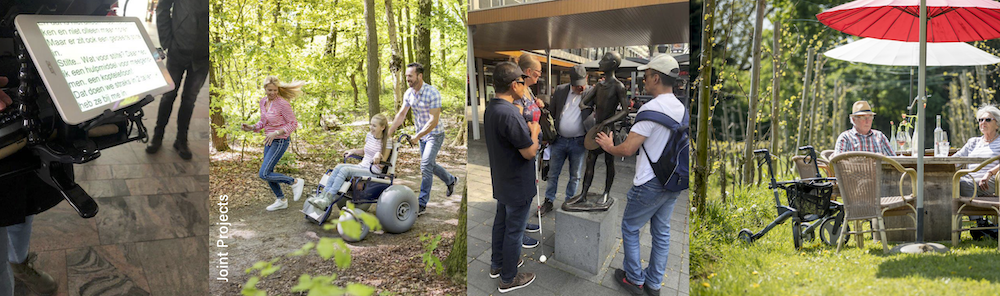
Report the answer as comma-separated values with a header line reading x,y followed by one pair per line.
x,y
649,201
862,137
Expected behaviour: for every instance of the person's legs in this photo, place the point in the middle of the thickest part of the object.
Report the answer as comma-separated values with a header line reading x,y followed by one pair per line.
x,y
659,228
272,154
22,263
176,66
576,153
347,172
516,217
429,148
499,233
196,74
19,236
557,156
643,202
6,276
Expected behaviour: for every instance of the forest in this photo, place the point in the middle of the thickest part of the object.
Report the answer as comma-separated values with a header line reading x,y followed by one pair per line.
x,y
352,55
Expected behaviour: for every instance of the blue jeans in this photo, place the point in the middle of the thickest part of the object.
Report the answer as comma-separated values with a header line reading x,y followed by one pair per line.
x,y
429,147
508,228
14,241
651,203
272,154
561,150
341,173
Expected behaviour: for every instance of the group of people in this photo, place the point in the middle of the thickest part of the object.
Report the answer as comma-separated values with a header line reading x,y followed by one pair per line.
x,y
277,120
863,138
512,141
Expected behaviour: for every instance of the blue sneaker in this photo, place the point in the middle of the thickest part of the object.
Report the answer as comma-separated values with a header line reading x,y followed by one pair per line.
x,y
532,228
527,242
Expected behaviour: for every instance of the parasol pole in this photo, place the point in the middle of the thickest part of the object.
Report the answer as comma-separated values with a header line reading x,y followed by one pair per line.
x,y
922,100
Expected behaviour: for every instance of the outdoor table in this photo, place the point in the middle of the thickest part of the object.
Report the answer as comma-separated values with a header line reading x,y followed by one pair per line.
x,y
938,173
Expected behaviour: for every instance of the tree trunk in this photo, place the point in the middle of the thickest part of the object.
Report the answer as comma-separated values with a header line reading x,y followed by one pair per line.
x,y
409,37
701,169
396,59
802,106
775,86
748,139
423,42
373,77
219,140
455,265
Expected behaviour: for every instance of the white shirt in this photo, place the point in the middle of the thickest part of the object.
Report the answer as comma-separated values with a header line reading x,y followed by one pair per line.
x,y
656,135
570,122
372,147
978,147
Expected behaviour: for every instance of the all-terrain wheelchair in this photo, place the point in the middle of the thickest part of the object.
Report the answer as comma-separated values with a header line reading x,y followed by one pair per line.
x,y
396,205
809,205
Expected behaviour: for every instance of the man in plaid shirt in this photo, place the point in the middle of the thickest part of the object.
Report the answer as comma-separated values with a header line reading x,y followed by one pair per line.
x,y
862,137
425,100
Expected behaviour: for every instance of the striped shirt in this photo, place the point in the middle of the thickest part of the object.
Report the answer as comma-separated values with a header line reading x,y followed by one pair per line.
x,y
422,102
276,116
978,147
372,147
874,141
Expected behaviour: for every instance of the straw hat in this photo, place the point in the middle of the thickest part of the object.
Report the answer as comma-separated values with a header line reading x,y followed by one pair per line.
x,y
862,108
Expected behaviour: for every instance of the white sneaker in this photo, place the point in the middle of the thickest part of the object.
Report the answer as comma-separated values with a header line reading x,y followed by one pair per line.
x,y
277,205
297,188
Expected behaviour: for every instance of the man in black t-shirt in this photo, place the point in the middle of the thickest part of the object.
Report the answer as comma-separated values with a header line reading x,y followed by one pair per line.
x,y
511,144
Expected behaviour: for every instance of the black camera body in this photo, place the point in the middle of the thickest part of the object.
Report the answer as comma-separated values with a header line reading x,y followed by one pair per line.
x,y
34,139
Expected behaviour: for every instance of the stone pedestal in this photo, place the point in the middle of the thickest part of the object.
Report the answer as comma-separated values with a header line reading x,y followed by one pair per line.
x,y
586,241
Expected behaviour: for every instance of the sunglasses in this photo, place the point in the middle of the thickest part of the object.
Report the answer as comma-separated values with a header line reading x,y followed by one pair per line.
x,y
521,82
985,119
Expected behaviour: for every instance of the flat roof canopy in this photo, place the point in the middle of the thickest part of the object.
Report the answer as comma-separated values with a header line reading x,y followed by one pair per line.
x,y
571,24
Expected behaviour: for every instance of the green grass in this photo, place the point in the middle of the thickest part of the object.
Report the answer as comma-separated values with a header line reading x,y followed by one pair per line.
x,y
722,265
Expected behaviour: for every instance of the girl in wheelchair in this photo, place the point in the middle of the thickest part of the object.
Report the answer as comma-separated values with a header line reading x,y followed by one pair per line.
x,y
375,152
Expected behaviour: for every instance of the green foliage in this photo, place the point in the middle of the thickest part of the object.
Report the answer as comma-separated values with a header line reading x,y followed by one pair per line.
x,y
430,261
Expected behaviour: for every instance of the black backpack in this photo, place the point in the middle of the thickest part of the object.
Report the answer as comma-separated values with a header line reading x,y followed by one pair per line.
x,y
671,168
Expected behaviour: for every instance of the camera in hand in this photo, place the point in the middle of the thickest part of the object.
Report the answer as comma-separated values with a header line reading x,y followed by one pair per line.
x,y
78,85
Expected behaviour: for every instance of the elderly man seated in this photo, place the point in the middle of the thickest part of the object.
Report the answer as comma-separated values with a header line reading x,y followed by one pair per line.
x,y
862,137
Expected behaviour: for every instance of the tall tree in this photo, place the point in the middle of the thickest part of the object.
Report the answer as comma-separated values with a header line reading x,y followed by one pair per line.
x,y
409,33
371,37
422,51
396,60
455,265
704,104
218,120
748,140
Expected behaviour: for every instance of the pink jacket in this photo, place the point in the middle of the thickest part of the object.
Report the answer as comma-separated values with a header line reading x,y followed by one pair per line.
x,y
278,117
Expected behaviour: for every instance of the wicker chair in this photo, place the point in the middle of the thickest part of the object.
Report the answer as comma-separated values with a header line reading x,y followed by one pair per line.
x,y
972,206
825,155
860,181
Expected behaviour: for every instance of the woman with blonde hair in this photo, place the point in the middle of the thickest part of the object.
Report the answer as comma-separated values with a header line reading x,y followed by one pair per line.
x,y
277,119
376,150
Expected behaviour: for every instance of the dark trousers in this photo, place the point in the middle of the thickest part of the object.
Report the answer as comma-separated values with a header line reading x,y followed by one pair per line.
x,y
508,227
197,71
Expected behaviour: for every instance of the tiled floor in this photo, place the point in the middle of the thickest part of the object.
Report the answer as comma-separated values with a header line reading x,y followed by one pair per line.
x,y
150,235
551,280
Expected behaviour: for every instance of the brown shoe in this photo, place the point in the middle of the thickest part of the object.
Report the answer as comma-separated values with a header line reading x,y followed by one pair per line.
x,y
495,273
36,280
520,281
